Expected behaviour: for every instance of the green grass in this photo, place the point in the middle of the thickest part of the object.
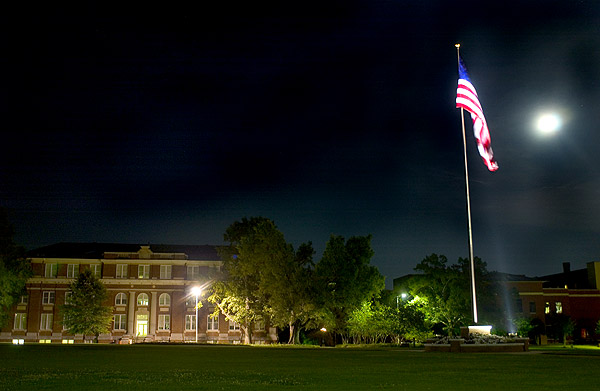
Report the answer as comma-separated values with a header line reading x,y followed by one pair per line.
x,y
188,367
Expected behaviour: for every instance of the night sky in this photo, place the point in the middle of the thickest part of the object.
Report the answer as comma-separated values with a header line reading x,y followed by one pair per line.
x,y
148,124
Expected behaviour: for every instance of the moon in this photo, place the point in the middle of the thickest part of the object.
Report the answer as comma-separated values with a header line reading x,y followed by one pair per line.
x,y
549,123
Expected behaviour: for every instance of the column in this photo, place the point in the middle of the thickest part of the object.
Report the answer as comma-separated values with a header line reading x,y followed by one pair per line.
x,y
153,314
131,314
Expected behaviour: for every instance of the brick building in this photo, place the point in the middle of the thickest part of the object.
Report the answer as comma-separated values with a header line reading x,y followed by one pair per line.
x,y
149,289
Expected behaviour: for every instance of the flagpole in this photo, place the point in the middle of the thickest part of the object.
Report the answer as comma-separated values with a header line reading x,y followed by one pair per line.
x,y
462,118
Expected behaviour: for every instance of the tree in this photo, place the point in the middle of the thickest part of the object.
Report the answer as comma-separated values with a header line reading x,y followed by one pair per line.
x,y
264,278
15,269
85,312
443,292
346,280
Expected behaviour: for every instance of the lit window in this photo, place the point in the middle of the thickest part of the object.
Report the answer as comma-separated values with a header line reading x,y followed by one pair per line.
x,y
144,271
547,308
120,321
165,272
190,322
46,322
164,322
193,272
24,300
164,300
68,341
45,341
121,299
72,270
559,307
121,271
233,326
532,307
48,297
68,295
51,270
142,299
212,323
20,321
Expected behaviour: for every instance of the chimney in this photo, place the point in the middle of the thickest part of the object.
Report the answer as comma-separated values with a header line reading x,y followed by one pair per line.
x,y
566,267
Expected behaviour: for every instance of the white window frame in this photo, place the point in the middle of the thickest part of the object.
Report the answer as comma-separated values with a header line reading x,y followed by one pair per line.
x,y
234,326
24,300
96,269
142,300
51,270
164,322
120,322
212,324
143,272
72,270
20,322
193,272
164,300
190,322
259,325
46,321
120,299
48,297
121,270
68,295
165,272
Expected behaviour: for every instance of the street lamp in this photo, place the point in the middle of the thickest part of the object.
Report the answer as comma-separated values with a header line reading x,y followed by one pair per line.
x,y
196,291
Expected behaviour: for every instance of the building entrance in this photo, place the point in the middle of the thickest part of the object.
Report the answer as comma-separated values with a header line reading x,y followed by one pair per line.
x,y
142,325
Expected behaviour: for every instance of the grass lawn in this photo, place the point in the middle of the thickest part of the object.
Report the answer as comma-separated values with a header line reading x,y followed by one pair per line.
x,y
178,367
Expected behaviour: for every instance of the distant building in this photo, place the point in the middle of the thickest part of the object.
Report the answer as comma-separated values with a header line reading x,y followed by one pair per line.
x,y
149,288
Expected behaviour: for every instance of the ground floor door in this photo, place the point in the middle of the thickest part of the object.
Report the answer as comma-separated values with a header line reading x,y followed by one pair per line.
x,y
141,326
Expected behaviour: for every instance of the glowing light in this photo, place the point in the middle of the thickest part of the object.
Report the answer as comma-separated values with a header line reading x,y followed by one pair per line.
x,y
404,295
549,123
323,329
196,291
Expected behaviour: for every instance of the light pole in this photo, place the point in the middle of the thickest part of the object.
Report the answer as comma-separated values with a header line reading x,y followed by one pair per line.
x,y
196,291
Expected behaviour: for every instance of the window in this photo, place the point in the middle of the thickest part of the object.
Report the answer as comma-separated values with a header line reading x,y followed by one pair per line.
x,y
120,322
142,299
72,270
559,307
96,270
212,323
164,300
46,323
121,299
190,322
121,271
51,270
519,305
143,271
532,307
233,326
259,325
48,297
547,308
165,272
190,301
193,272
164,322
20,321
24,300
68,295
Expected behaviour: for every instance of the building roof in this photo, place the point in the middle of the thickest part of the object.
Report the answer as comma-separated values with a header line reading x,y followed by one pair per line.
x,y
97,250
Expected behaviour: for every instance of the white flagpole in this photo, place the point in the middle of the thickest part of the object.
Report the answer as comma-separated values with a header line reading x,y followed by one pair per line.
x,y
462,117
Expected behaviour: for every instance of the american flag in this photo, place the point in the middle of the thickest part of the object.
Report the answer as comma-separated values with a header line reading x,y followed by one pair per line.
x,y
466,98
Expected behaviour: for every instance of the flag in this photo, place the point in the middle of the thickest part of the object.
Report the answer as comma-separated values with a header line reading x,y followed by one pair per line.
x,y
466,98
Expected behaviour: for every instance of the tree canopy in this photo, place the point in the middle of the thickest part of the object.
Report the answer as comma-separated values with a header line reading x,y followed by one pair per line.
x,y
84,312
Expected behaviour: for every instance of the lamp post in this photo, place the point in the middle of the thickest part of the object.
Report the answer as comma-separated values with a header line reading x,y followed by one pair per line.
x,y
196,291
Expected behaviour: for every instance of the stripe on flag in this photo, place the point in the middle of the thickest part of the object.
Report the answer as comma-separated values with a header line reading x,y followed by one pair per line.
x,y
466,98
